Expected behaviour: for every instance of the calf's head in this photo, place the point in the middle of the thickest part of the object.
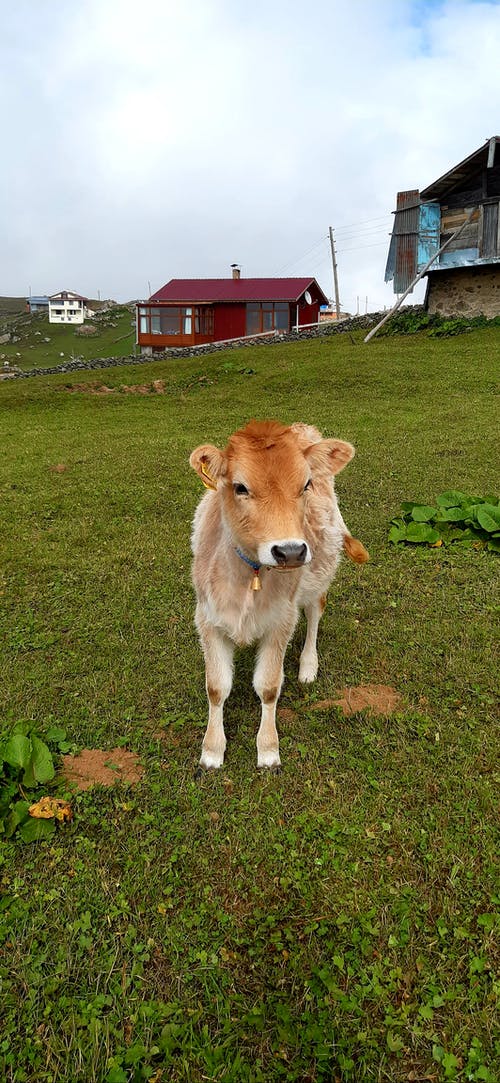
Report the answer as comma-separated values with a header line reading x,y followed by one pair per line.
x,y
268,476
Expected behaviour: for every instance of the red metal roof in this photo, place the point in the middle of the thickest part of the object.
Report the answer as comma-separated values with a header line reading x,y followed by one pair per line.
x,y
199,290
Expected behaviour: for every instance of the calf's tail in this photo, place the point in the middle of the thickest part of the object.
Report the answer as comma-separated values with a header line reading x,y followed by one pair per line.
x,y
355,550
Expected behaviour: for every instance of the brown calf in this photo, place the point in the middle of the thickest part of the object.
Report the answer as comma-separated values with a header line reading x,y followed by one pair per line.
x,y
266,539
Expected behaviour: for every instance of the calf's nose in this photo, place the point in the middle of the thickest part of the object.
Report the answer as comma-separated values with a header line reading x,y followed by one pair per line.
x,y
289,553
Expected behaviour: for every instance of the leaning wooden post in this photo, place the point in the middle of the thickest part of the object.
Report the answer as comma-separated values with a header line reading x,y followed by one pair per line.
x,y
420,275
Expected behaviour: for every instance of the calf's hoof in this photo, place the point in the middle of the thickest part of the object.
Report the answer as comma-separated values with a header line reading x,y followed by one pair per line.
x,y
212,758
269,759
275,770
308,670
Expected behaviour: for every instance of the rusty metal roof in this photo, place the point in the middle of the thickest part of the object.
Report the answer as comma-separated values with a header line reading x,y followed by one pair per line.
x,y
206,290
484,158
402,258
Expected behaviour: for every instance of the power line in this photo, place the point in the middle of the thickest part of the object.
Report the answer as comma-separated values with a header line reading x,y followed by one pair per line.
x,y
365,222
365,233
358,234
358,247
292,262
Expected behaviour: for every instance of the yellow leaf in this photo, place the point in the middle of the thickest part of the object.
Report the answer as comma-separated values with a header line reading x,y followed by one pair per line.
x,y
51,808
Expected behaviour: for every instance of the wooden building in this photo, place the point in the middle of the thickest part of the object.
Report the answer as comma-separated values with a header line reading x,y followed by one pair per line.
x,y
464,279
193,311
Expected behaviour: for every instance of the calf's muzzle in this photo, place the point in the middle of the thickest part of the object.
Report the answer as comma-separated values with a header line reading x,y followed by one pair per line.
x,y
289,553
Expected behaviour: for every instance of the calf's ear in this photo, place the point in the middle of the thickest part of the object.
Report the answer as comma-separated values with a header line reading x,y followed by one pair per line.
x,y
329,456
306,434
209,463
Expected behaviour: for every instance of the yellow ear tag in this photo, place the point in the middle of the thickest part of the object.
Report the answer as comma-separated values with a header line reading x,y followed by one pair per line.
x,y
209,483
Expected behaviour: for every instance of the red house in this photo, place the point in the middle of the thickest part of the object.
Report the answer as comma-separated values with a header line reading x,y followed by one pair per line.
x,y
191,311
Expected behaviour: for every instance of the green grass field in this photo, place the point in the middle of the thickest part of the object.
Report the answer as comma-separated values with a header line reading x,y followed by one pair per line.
x,y
114,337
334,923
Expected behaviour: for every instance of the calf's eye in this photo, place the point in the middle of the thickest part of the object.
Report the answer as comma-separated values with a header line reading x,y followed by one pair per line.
x,y
240,489
307,485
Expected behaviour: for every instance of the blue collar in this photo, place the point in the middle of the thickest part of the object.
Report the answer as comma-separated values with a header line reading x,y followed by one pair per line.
x,y
251,563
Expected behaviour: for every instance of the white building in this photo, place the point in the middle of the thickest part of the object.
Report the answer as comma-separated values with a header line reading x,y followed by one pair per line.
x,y
68,307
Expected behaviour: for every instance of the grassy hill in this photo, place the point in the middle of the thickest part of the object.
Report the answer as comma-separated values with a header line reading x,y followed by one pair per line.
x,y
114,336
337,923
12,306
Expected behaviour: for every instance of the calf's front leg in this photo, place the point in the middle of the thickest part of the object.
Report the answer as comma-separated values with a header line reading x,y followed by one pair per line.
x,y
218,651
267,681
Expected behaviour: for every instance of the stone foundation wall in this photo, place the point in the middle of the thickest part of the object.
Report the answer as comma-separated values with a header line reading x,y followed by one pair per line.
x,y
465,291
355,323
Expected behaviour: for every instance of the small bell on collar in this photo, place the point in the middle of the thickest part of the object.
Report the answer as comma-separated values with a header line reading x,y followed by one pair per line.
x,y
256,583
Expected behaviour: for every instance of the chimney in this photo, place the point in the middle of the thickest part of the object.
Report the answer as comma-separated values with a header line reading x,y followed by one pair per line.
x,y
236,270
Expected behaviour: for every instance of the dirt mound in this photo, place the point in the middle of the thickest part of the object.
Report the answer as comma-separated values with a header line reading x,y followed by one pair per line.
x,y
157,387
94,767
379,699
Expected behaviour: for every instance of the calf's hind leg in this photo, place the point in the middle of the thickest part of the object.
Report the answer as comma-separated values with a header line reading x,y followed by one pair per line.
x,y
308,667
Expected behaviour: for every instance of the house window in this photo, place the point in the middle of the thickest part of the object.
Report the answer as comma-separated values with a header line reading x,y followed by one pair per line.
x,y
281,317
175,320
170,321
267,316
204,321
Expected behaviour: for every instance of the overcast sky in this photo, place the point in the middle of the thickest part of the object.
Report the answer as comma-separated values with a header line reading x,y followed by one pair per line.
x,y
171,138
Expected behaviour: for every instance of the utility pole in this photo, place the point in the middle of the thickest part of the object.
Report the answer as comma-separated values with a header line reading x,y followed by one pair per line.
x,y
335,276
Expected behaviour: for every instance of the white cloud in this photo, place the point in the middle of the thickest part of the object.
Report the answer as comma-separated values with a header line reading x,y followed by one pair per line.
x,y
166,140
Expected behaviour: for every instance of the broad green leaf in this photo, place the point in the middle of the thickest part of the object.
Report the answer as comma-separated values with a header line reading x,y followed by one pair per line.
x,y
17,816
22,727
452,499
421,532
488,517
397,534
494,545
29,780
453,515
35,830
409,505
423,513
43,766
17,750
55,734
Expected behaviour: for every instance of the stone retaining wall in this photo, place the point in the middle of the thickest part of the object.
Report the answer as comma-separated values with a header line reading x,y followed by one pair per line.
x,y
356,323
465,291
